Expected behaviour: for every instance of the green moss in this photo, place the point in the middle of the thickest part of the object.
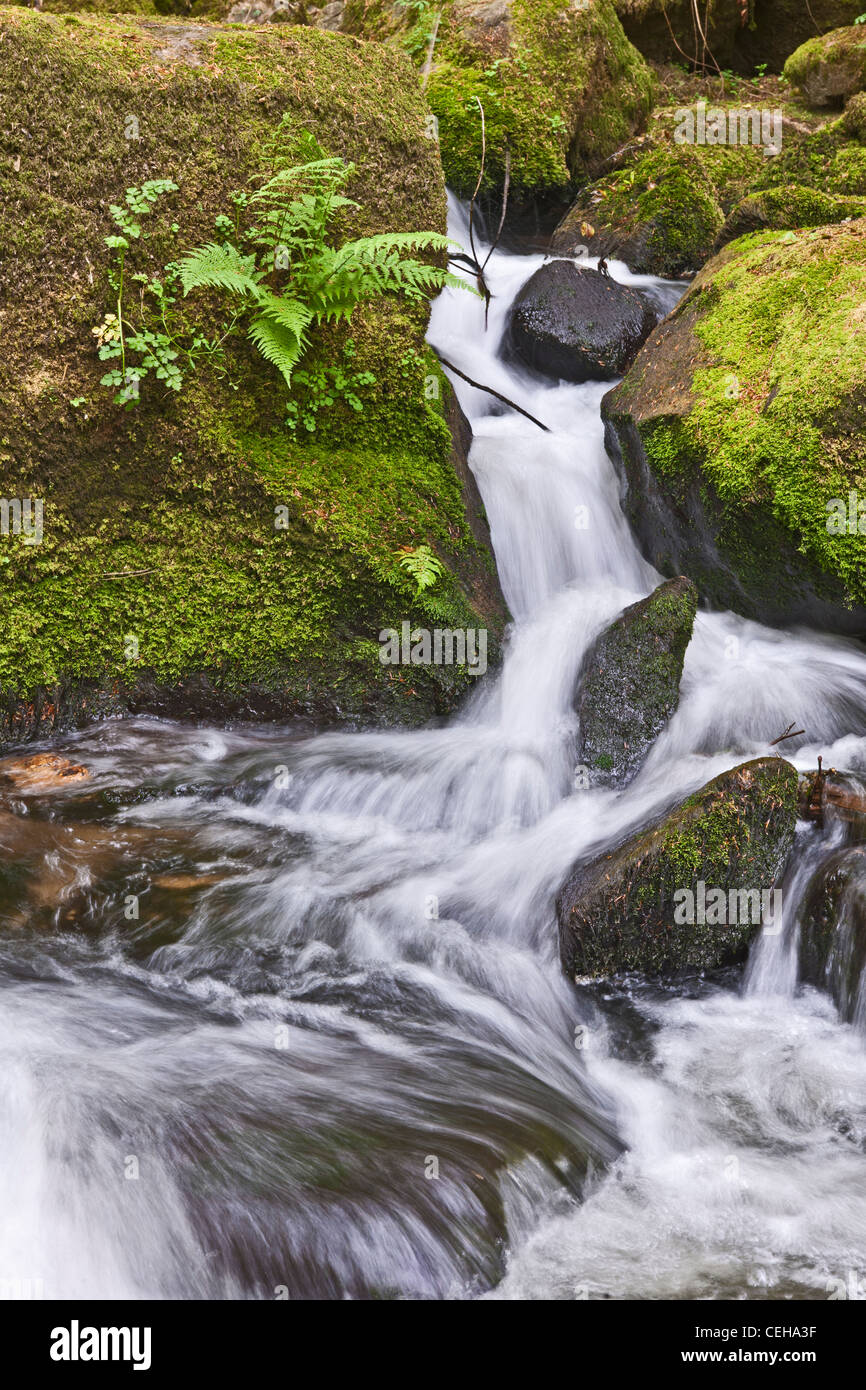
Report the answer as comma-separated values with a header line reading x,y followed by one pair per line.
x,y
660,214
781,301
619,913
177,497
830,67
567,91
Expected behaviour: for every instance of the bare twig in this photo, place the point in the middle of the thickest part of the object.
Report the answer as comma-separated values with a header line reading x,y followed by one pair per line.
x,y
490,391
125,574
790,732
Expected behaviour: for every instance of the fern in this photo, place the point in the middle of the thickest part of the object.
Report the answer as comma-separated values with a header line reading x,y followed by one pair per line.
x,y
294,278
423,565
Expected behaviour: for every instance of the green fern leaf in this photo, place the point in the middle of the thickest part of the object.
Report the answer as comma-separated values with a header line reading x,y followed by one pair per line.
x,y
220,267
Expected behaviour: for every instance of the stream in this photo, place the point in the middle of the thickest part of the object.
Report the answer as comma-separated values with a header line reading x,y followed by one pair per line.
x,y
295,1025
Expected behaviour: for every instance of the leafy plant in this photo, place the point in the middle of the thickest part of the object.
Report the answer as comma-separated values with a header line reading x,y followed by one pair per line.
x,y
422,565
323,386
292,277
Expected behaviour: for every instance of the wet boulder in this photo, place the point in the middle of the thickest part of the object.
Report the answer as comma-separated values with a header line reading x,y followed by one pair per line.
x,y
690,891
578,324
630,685
833,930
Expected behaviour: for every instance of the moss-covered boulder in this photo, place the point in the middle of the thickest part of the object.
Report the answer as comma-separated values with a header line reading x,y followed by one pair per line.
x,y
692,890
831,67
198,553
660,214
739,430
787,207
630,684
576,324
560,85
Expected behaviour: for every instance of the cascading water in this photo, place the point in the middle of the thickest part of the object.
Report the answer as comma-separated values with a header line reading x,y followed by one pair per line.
x,y
335,1055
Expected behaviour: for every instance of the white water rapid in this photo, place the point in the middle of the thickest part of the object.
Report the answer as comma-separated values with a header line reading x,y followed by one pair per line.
x,y
345,1065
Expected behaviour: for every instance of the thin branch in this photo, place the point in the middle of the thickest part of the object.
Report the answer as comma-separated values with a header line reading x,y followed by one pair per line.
x,y
478,184
790,732
490,391
125,574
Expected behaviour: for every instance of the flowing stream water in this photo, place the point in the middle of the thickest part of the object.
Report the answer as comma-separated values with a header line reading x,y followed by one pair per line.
x,y
334,1054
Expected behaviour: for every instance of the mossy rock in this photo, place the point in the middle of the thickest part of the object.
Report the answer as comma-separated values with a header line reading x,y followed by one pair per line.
x,y
660,214
790,206
630,685
831,67
560,84
739,430
160,521
621,911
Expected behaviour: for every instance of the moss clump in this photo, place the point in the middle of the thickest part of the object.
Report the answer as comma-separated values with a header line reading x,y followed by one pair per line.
x,y
790,206
562,90
620,912
161,521
660,214
829,68
754,421
631,684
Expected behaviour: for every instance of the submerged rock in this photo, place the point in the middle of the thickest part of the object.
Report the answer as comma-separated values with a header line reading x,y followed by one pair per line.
x,y
631,681
41,772
690,891
578,325
738,430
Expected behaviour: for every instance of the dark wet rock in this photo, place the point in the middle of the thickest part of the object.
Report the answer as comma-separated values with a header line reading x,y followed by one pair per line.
x,y
631,682
833,930
624,910
578,325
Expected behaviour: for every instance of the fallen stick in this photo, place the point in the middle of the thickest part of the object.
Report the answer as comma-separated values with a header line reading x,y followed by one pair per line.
x,y
490,391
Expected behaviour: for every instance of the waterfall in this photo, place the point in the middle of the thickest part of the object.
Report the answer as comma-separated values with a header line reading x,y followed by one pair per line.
x,y
346,1063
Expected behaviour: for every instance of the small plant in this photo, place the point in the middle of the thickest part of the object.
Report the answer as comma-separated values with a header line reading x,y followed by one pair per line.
x,y
422,565
323,386
292,277
761,69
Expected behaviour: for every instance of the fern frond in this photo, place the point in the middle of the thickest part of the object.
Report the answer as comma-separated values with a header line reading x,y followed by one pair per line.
x,y
219,267
279,343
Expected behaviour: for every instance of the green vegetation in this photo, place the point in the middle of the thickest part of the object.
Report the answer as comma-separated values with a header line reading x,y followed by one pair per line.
x,y
243,558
